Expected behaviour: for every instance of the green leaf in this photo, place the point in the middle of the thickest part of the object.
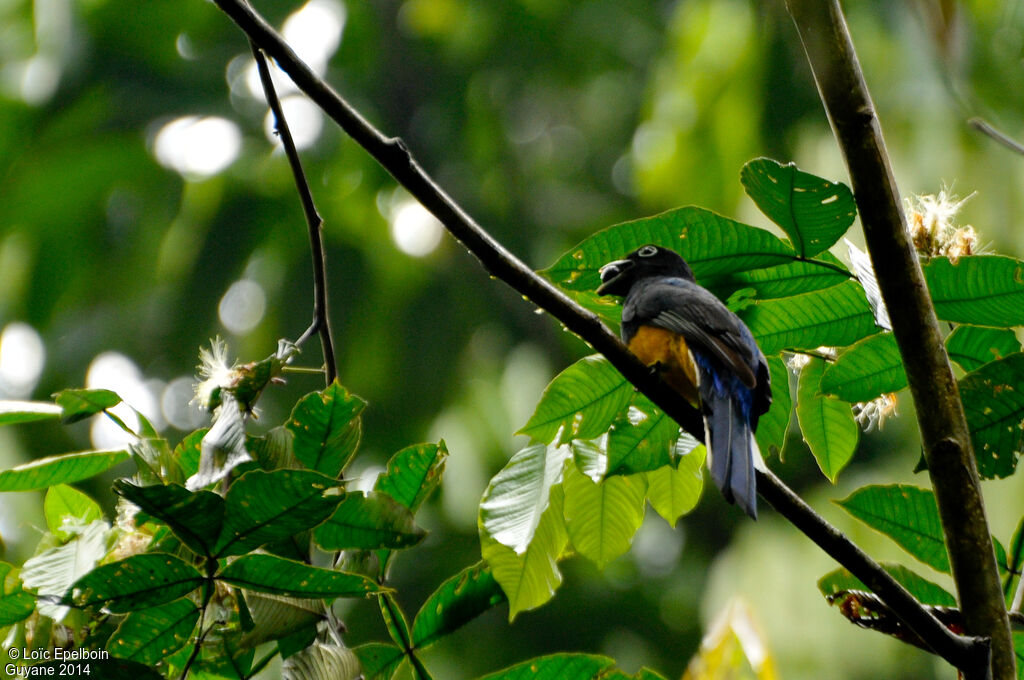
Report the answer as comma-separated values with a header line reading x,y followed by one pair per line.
x,y
673,492
1018,650
641,439
530,578
983,290
519,495
1015,558
812,211
836,317
264,507
395,621
923,590
711,245
79,404
367,523
64,504
458,601
195,517
973,346
773,425
16,412
601,518
153,634
413,473
869,368
648,674
785,280
993,398
15,603
827,423
327,428
906,514
188,452
64,469
278,576
136,582
581,402
564,666
379,661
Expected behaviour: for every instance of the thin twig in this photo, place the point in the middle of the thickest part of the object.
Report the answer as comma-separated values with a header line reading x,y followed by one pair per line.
x,y
943,425
986,128
393,155
321,322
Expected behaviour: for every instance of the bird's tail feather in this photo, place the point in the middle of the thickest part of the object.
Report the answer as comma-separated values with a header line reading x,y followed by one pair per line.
x,y
732,452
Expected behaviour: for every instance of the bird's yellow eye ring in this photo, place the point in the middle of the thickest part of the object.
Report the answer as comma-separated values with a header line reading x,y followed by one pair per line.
x,y
647,251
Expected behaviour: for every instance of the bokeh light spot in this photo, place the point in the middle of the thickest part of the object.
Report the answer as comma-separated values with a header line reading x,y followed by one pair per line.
x,y
414,230
198,147
22,357
116,372
304,120
177,405
314,31
242,306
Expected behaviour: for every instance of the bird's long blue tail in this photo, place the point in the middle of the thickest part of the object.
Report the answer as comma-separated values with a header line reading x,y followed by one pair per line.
x,y
732,450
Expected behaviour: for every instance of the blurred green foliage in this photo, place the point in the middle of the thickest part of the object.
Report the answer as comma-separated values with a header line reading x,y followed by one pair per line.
x,y
547,120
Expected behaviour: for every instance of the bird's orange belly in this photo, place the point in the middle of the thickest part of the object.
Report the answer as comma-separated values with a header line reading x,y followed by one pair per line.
x,y
668,352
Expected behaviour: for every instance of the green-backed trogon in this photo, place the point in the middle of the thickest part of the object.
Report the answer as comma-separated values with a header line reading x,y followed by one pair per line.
x,y
701,349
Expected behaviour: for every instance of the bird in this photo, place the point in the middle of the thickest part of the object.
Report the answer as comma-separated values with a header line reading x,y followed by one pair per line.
x,y
701,349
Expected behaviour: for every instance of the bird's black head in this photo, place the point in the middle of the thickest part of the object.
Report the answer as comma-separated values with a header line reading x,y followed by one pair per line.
x,y
619,276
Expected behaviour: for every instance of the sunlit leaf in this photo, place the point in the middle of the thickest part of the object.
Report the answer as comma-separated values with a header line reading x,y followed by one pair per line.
x,y
15,603
379,661
518,496
279,576
836,316
581,402
675,491
923,590
871,367
711,244
733,647
327,428
368,522
773,425
565,666
827,423
15,412
601,518
136,582
993,398
531,578
188,452
906,514
79,404
264,507
458,601
52,572
974,346
151,635
64,504
812,211
223,446
984,290
195,517
865,272
62,469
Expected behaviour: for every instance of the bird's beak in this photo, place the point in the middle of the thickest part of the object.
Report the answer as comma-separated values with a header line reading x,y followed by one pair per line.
x,y
611,272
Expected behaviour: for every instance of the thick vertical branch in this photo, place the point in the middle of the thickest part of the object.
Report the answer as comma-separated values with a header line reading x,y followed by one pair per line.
x,y
321,319
940,413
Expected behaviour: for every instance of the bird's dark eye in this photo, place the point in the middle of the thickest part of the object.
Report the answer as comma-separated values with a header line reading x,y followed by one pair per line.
x,y
647,251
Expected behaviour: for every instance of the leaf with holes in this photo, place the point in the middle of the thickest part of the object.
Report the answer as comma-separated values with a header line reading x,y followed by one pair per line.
x,y
983,290
871,367
279,576
327,428
458,601
973,346
812,211
993,398
195,517
135,582
151,635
